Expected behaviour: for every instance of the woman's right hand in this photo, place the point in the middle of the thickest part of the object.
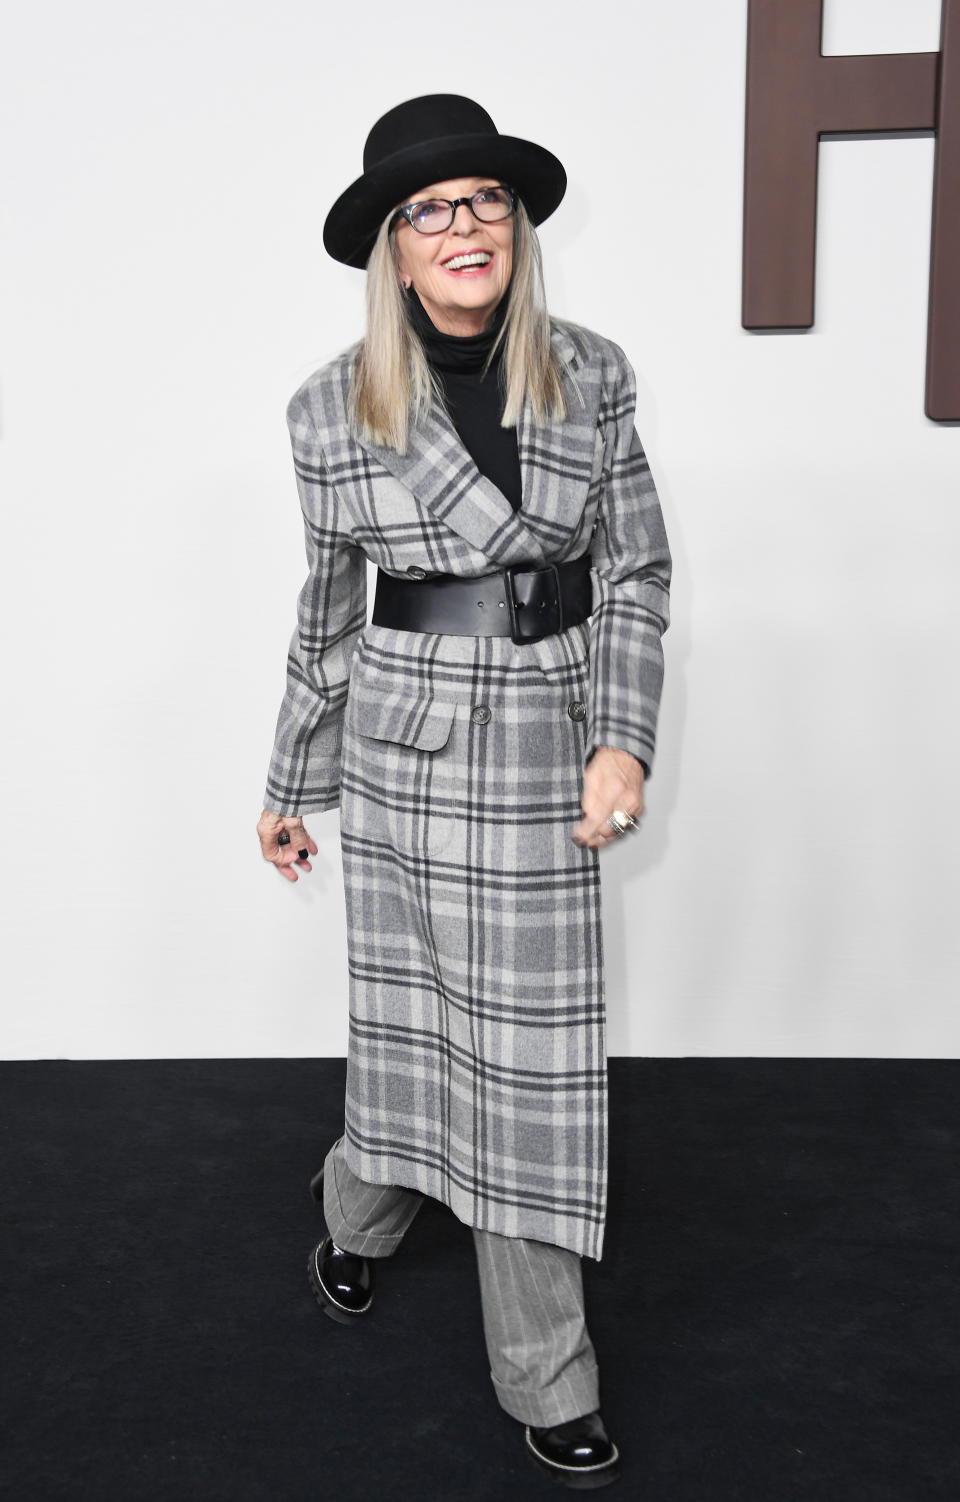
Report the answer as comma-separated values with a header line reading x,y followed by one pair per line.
x,y
285,857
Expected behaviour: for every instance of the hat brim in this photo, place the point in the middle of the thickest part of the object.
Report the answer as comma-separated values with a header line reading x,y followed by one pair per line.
x,y
354,221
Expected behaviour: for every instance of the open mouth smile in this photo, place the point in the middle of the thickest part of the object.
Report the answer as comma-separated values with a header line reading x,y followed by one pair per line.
x,y
470,262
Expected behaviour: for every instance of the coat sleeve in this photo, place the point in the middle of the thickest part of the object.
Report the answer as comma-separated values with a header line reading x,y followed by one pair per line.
x,y
631,558
304,772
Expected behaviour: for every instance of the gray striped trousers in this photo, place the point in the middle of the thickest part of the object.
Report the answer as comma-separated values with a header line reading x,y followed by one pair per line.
x,y
542,1361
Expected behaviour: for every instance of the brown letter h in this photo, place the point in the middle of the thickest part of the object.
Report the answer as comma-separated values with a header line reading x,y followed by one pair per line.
x,y
795,95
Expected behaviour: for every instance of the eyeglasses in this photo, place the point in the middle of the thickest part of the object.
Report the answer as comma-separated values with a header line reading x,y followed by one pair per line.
x,y
434,215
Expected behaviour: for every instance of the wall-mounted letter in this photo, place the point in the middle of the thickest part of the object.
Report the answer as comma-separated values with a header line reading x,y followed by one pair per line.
x,y
794,96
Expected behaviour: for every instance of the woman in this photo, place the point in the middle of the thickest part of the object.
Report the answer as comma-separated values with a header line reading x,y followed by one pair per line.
x,y
486,735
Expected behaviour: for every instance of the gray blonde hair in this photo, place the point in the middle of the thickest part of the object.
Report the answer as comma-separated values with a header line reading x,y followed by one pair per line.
x,y
392,381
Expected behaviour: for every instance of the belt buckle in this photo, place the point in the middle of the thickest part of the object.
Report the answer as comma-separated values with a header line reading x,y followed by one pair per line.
x,y
513,605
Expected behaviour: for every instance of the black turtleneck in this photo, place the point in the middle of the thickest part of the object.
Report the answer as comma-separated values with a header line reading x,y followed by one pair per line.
x,y
473,399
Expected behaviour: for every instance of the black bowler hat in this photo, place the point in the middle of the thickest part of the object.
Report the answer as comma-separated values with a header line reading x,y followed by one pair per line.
x,y
426,140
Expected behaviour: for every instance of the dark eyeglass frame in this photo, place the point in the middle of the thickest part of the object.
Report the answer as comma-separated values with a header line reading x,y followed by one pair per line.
x,y
407,210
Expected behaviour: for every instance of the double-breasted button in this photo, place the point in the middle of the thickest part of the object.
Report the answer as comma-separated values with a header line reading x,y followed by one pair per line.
x,y
481,714
416,572
577,710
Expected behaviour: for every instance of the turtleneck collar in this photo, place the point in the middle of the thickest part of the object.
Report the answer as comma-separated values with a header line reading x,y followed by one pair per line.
x,y
460,353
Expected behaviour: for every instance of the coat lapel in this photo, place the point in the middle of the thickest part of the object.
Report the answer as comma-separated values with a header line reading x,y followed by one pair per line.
x,y
446,482
557,459
555,465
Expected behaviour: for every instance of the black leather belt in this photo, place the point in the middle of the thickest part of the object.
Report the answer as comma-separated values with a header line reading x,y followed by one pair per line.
x,y
524,601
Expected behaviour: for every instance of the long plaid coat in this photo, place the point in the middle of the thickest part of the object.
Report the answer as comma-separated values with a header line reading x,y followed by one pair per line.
x,y
476,1068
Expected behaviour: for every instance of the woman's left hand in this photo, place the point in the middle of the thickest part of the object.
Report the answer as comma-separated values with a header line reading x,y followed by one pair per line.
x,y
612,779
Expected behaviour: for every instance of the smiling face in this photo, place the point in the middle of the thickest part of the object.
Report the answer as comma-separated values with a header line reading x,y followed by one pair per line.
x,y
461,274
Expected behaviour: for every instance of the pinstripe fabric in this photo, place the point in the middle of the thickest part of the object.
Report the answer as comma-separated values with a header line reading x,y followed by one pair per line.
x,y
542,1362
476,1063
368,1219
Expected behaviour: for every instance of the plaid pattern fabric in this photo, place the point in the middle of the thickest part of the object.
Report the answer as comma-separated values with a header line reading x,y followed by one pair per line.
x,y
476,1067
586,484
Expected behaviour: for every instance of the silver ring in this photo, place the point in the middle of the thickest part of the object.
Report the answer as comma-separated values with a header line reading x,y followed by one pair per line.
x,y
620,821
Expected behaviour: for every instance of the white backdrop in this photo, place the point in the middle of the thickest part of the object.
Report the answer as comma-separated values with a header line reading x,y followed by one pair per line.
x,y
166,172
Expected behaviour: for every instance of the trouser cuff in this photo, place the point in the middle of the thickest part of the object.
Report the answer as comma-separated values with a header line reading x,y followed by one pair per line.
x,y
574,1394
375,1201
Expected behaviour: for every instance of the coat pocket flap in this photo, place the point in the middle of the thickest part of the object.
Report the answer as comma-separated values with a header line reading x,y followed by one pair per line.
x,y
423,723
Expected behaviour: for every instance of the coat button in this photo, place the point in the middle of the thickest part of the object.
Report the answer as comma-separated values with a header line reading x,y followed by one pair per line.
x,y
577,710
416,572
480,714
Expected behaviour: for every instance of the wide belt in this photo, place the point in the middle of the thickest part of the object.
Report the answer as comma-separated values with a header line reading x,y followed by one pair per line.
x,y
524,601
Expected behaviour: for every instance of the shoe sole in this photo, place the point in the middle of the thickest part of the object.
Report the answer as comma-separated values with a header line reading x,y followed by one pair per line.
x,y
578,1478
327,1302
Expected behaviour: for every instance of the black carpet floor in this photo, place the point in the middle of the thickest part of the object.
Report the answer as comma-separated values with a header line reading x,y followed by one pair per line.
x,y
776,1313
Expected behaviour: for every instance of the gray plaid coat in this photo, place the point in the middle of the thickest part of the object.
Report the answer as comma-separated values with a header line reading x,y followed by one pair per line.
x,y
476,1068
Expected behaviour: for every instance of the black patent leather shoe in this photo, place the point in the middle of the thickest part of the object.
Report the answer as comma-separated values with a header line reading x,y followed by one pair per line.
x,y
342,1282
579,1453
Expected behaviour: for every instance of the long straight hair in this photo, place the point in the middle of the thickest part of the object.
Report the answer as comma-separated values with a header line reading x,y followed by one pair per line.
x,y
392,383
